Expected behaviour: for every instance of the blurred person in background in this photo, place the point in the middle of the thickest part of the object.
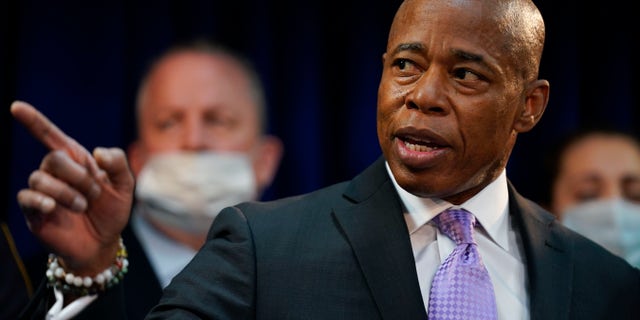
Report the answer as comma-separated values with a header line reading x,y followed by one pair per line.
x,y
201,146
595,188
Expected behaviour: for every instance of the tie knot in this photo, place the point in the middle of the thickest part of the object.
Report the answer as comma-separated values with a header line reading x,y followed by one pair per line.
x,y
457,224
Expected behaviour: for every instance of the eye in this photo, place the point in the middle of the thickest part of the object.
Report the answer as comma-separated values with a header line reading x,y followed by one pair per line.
x,y
166,123
586,194
218,119
633,197
405,67
466,75
631,188
401,63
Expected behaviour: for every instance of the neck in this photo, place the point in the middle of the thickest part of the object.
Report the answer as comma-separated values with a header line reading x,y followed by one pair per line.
x,y
194,241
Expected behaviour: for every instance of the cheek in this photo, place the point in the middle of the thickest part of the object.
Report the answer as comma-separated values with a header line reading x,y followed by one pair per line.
x,y
561,197
383,129
390,94
162,143
488,130
237,140
390,101
479,130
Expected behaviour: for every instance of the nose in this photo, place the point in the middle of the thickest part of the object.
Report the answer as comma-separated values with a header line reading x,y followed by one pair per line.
x,y
194,137
429,93
612,190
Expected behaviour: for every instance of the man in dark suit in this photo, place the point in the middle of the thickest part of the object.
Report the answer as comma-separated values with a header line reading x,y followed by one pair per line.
x,y
459,83
198,105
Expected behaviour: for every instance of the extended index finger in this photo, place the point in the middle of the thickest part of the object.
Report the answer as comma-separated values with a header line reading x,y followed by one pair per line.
x,y
41,127
49,134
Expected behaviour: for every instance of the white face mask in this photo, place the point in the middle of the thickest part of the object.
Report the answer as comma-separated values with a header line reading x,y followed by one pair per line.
x,y
187,190
614,224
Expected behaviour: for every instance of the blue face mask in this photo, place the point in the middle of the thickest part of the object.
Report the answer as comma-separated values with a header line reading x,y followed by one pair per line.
x,y
614,224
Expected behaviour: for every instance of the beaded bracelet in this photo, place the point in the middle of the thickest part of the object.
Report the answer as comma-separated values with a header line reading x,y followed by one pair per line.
x,y
68,283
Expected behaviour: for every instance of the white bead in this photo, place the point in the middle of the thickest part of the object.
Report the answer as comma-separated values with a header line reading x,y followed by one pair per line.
x,y
107,274
87,282
53,265
59,272
77,281
49,274
99,279
69,278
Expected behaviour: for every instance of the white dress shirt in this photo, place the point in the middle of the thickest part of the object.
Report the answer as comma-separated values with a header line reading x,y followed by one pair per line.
x,y
167,256
497,243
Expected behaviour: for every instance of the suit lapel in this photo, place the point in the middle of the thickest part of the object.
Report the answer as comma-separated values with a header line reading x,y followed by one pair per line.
x,y
548,259
378,235
376,229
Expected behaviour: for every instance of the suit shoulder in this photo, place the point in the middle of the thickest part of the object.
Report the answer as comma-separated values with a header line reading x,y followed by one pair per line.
x,y
321,199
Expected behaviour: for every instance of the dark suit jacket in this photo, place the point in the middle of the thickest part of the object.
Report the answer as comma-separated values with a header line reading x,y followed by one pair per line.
x,y
343,252
131,300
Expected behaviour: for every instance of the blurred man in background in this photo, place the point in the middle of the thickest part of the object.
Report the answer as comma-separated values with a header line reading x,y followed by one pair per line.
x,y
202,145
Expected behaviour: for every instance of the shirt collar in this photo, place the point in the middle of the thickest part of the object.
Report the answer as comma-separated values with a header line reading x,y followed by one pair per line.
x,y
489,206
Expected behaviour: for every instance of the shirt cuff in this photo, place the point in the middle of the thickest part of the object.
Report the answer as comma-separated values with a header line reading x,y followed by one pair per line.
x,y
57,312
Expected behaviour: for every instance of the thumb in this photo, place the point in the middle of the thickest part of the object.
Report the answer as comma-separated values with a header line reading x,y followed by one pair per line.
x,y
114,162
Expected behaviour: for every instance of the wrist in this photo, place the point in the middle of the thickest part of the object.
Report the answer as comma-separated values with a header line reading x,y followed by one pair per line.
x,y
63,279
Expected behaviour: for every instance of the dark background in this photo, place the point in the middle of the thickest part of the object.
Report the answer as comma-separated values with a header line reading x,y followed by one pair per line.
x,y
80,63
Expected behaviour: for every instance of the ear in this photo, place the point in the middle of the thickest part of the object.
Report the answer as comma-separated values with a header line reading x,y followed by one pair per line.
x,y
136,157
267,161
535,103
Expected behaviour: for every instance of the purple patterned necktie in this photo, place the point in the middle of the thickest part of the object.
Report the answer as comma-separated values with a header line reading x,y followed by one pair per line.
x,y
461,288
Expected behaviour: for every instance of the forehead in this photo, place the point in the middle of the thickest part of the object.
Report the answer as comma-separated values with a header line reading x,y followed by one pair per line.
x,y
472,26
610,155
184,70
198,79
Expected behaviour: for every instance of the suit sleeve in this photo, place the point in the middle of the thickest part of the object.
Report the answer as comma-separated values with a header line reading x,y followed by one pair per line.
x,y
219,283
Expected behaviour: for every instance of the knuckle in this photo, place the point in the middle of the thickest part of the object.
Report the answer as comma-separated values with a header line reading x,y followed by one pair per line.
x,y
28,202
35,179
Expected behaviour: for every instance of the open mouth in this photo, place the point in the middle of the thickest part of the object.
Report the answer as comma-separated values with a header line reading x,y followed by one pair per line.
x,y
420,146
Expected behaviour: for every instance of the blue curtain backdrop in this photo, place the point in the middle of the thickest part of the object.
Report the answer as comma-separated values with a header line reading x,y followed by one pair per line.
x,y
80,62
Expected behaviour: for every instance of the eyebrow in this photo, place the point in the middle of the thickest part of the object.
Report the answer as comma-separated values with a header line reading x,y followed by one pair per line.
x,y
457,55
629,179
589,177
468,56
412,46
460,54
